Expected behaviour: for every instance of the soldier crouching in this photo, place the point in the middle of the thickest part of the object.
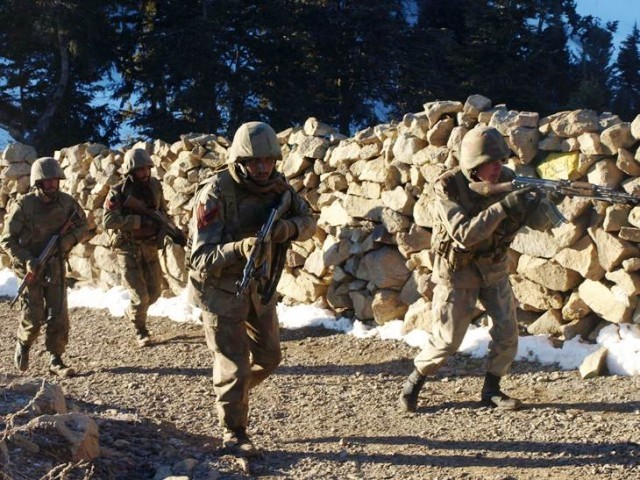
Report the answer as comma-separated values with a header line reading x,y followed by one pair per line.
x,y
471,236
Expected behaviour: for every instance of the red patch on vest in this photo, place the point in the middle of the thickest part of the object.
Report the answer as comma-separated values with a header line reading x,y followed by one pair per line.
x,y
204,216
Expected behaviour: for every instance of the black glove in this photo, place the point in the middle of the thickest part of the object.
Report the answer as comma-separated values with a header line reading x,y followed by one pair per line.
x,y
555,197
520,203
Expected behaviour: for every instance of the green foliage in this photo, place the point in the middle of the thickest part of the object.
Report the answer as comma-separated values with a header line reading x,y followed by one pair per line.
x,y
511,51
54,58
593,64
76,70
626,81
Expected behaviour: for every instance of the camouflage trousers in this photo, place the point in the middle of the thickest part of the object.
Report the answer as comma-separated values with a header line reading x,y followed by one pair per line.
x,y
45,305
244,337
453,309
142,277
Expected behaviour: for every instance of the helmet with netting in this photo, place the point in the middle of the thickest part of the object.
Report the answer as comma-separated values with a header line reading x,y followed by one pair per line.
x,y
481,145
136,158
254,140
45,168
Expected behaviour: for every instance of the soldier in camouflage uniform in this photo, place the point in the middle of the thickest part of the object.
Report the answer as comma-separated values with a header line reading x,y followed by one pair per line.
x,y
135,237
471,236
242,331
31,223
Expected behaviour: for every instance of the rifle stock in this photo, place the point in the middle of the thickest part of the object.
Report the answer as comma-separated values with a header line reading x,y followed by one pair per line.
x,y
47,253
159,218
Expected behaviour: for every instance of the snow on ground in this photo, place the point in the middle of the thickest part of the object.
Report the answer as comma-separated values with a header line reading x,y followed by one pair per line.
x,y
622,341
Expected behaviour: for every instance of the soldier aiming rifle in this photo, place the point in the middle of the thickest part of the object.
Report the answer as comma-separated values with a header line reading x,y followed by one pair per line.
x,y
565,188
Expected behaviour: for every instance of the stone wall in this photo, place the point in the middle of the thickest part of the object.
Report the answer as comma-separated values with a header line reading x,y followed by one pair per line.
x,y
372,193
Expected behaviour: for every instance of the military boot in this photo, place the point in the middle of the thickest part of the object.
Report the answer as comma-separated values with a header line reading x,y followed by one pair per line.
x,y
21,358
409,397
142,337
237,442
57,367
493,397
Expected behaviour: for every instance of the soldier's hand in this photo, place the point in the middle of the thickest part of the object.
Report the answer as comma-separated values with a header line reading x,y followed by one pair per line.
x,y
31,265
520,202
283,231
244,247
136,222
66,243
555,197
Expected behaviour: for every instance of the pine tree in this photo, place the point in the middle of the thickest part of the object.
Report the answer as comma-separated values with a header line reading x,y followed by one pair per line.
x,y
626,83
592,64
55,59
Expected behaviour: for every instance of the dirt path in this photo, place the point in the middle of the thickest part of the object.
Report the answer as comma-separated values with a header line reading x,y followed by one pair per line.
x,y
330,411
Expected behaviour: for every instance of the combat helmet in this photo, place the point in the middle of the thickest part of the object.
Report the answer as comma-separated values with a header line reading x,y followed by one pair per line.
x,y
45,168
136,158
254,140
481,145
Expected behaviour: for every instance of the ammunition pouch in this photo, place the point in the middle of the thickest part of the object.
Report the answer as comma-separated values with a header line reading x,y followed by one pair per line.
x,y
495,256
459,259
455,258
122,239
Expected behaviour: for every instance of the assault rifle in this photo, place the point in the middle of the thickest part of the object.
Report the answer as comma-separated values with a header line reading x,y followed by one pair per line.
x,y
158,218
262,241
562,187
47,254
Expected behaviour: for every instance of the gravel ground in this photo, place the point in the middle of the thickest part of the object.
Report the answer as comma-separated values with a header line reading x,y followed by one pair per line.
x,y
329,412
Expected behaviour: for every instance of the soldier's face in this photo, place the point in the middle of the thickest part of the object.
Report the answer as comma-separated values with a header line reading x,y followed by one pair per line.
x,y
50,186
490,172
142,174
260,169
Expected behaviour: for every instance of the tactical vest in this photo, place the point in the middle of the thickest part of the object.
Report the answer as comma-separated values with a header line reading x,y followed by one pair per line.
x,y
122,238
45,219
243,214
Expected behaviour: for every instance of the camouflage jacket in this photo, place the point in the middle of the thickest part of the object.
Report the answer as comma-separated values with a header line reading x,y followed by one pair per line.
x,y
471,233
127,227
224,213
31,222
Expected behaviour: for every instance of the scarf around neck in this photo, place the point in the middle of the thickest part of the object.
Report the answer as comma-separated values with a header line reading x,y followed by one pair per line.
x,y
276,184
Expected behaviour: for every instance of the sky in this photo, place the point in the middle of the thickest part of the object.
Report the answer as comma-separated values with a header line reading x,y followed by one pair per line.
x,y
627,12
622,341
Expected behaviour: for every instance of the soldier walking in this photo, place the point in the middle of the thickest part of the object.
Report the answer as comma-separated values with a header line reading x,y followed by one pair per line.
x,y
471,237
31,224
135,237
242,330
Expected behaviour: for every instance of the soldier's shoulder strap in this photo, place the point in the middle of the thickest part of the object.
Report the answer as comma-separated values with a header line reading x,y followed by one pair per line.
x,y
224,183
447,185
28,206
462,187
228,191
